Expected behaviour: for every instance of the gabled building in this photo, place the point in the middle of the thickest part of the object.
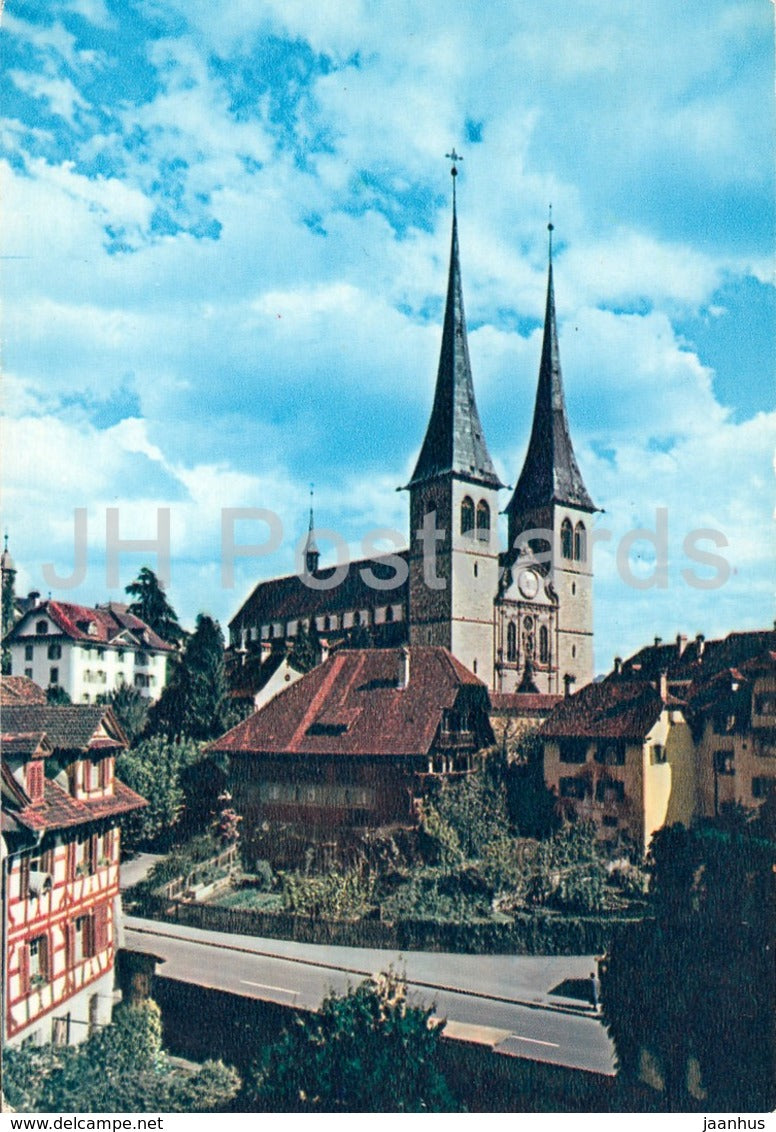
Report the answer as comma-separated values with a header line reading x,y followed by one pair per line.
x,y
620,753
354,743
88,651
733,716
60,868
519,618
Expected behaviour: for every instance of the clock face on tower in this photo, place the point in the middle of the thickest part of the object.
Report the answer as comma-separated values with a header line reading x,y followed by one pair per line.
x,y
528,584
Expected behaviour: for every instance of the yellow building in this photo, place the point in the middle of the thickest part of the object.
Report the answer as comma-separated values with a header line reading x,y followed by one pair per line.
x,y
620,753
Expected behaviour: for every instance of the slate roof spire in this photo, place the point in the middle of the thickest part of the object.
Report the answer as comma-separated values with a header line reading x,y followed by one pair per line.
x,y
550,472
454,441
311,552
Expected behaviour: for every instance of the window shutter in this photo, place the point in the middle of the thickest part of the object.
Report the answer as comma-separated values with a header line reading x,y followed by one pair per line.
x,y
100,927
89,937
70,860
44,957
24,969
70,945
24,877
94,848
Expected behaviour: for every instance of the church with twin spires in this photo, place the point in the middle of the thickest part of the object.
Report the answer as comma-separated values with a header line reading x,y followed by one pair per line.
x,y
520,617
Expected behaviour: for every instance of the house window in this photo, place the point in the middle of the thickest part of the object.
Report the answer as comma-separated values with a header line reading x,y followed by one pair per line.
x,y
762,787
611,753
474,667
511,642
356,618
572,788
42,628
765,703
724,762
28,673
54,652
389,613
467,516
141,658
544,645
83,939
28,652
580,543
53,676
573,751
657,754
567,539
121,654
38,969
483,521
608,790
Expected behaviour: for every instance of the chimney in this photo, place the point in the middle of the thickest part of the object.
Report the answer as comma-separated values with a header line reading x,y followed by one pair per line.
x,y
404,668
658,641
568,680
700,642
33,596
617,665
663,685
681,643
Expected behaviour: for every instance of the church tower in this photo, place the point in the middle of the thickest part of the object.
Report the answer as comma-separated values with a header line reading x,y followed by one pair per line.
x,y
544,613
454,552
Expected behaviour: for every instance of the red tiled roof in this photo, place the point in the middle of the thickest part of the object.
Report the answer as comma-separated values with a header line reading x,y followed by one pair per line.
x,y
59,810
351,705
611,709
523,703
25,744
69,727
20,690
109,622
288,598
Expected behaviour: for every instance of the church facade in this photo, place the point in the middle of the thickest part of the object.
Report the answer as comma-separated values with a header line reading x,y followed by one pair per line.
x,y
521,617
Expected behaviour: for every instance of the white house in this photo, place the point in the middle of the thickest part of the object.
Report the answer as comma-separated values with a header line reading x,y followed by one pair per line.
x,y
88,651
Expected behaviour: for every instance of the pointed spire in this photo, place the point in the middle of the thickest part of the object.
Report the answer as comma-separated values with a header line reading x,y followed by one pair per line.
x,y
550,473
311,553
454,441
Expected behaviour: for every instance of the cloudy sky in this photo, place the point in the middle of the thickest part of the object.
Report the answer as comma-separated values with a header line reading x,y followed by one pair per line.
x,y
226,229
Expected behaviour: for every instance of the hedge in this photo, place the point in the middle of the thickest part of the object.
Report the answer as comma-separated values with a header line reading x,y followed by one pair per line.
x,y
539,933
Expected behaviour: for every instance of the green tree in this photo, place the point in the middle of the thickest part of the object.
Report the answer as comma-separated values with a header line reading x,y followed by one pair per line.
x,y
305,652
475,809
693,989
120,1068
154,768
195,703
365,1051
130,707
151,605
56,694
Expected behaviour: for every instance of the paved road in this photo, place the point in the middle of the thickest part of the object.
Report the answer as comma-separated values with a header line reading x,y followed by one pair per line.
x,y
502,1001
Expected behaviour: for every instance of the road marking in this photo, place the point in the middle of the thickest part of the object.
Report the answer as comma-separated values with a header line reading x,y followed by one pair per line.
x,y
534,1041
267,986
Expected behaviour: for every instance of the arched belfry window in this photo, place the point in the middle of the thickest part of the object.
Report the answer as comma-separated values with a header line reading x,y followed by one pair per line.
x,y
580,542
511,642
483,520
544,645
566,539
467,516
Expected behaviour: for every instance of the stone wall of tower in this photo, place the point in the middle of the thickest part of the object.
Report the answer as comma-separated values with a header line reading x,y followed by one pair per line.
x,y
573,581
458,614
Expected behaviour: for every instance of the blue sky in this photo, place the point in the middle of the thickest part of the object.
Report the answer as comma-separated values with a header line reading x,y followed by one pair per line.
x,y
224,261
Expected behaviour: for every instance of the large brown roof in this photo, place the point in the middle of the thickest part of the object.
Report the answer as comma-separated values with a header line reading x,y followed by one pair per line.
x,y
20,690
107,622
612,709
351,705
698,658
523,703
289,598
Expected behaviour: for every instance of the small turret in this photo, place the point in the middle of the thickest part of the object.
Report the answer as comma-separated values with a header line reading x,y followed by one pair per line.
x,y
311,554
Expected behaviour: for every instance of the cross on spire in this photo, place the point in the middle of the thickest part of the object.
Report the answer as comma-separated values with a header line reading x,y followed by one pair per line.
x,y
550,229
454,157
